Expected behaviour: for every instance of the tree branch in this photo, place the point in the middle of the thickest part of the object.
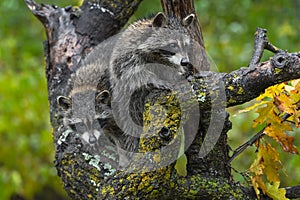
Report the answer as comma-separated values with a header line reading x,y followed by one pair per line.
x,y
260,44
81,30
245,84
102,19
293,192
247,144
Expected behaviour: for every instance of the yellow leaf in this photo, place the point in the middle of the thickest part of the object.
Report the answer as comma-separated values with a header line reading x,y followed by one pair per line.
x,y
277,124
289,88
284,103
271,162
253,107
277,89
264,113
285,141
296,83
258,183
257,168
275,192
296,118
272,91
276,102
266,164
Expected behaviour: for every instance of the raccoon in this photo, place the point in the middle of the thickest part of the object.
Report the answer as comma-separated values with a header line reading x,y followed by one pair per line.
x,y
110,89
87,107
149,54
87,111
159,40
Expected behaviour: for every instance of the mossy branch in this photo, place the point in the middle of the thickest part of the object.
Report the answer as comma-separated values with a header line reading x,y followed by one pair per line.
x,y
245,84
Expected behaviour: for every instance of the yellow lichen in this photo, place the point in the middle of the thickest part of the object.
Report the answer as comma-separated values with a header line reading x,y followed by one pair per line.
x,y
277,70
231,101
156,158
241,91
108,189
230,87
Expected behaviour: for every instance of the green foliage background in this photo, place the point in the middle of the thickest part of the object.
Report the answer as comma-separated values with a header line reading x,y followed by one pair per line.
x,y
26,148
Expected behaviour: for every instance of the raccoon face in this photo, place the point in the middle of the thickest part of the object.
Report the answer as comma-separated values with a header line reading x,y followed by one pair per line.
x,y
172,49
83,119
169,43
176,53
88,127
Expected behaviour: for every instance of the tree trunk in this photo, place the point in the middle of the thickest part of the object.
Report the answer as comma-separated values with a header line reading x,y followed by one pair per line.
x,y
73,33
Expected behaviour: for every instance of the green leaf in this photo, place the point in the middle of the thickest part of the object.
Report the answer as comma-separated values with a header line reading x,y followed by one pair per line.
x,y
180,165
181,162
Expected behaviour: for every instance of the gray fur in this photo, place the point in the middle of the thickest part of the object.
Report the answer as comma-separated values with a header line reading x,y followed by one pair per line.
x,y
88,102
87,109
149,55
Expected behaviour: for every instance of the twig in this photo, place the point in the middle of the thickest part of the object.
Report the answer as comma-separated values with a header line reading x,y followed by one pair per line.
x,y
250,142
244,146
260,44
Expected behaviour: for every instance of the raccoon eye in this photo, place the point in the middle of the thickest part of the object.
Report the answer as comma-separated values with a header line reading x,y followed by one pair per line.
x,y
73,127
170,49
174,46
77,126
72,123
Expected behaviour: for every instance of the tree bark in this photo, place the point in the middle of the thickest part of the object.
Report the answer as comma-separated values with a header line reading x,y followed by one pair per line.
x,y
73,33
181,9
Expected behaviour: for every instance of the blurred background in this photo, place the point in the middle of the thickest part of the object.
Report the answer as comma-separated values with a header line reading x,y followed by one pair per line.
x,y
26,147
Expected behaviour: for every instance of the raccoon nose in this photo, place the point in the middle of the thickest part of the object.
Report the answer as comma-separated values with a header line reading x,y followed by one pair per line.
x,y
184,61
92,139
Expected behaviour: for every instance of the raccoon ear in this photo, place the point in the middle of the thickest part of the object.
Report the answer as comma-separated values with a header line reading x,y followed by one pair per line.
x,y
103,97
159,20
188,20
64,102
